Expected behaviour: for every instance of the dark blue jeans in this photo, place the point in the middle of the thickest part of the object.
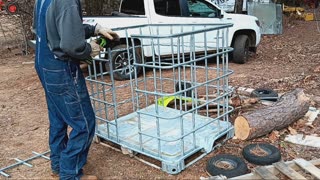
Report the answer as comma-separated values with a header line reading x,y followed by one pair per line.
x,y
68,105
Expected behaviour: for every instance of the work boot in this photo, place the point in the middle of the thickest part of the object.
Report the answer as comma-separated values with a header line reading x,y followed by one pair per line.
x,y
88,177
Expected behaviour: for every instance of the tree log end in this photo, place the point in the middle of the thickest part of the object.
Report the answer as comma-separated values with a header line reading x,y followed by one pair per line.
x,y
242,128
289,108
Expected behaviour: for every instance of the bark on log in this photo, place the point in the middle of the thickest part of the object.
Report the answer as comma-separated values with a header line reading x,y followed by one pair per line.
x,y
238,6
290,107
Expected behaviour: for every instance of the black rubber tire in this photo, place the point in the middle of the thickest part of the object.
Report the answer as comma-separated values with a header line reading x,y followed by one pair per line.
x,y
239,166
265,94
184,85
273,155
117,55
240,52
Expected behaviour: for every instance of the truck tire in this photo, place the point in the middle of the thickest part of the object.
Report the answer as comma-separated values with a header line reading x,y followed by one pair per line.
x,y
120,63
227,165
240,52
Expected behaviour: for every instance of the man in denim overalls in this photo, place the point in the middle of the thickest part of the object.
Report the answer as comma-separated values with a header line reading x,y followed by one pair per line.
x,y
60,46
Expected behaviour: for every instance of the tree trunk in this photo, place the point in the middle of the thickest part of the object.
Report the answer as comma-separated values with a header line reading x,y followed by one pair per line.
x,y
291,107
238,6
94,7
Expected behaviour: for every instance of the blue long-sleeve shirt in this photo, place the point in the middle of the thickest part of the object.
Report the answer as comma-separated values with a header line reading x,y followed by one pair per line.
x,y
66,32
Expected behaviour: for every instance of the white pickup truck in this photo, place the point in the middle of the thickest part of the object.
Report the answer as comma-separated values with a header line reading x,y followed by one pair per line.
x,y
244,35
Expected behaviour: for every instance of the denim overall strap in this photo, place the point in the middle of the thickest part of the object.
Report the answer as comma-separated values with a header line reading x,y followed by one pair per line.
x,y
68,104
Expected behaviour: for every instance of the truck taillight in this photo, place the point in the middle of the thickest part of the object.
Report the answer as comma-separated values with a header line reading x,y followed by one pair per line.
x,y
11,7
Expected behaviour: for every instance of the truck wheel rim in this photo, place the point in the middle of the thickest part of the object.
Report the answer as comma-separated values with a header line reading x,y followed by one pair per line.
x,y
123,62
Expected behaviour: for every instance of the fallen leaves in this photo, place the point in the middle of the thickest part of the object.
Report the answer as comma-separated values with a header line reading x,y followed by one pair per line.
x,y
309,79
292,131
317,69
274,136
235,101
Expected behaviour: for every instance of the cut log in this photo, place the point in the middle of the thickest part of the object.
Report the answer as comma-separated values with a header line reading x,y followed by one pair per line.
x,y
290,107
244,91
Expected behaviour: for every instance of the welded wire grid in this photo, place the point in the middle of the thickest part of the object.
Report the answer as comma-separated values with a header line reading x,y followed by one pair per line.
x,y
25,162
178,104
170,79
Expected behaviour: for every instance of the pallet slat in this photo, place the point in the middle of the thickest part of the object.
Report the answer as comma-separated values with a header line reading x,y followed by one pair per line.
x,y
264,173
273,170
288,171
307,166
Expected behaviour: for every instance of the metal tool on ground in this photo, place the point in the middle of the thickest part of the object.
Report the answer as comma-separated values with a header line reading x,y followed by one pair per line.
x,y
24,162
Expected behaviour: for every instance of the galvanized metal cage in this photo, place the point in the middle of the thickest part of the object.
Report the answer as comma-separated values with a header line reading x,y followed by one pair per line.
x,y
175,103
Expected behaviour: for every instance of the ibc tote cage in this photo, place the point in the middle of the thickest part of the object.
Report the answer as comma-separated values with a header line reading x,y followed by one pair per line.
x,y
164,111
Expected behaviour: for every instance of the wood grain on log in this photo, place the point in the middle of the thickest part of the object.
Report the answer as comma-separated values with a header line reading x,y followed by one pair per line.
x,y
290,107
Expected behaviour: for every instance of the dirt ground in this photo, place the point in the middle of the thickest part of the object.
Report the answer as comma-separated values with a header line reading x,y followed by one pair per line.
x,y
282,62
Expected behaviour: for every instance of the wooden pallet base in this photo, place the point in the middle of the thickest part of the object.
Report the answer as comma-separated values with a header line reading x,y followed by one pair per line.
x,y
288,169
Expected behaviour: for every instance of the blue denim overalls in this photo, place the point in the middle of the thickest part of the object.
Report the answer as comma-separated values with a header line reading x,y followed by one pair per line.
x,y
68,105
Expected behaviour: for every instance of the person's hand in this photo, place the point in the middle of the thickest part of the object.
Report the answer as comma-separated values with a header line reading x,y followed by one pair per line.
x,y
95,50
106,32
95,47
